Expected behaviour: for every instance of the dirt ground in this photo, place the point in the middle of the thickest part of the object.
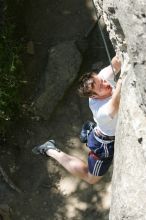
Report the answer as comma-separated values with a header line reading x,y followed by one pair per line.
x,y
47,191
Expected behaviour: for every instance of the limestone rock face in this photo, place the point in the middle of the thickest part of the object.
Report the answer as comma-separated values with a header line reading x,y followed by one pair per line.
x,y
126,23
64,61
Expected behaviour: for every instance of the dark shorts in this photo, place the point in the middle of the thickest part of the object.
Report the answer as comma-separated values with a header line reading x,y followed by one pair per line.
x,y
100,157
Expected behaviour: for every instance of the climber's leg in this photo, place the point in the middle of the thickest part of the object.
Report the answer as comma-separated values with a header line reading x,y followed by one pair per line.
x,y
72,164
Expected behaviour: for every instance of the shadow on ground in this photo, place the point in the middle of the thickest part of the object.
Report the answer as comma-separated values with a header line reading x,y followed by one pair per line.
x,y
48,192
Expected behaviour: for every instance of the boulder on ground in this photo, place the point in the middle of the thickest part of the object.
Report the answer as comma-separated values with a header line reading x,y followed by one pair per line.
x,y
62,69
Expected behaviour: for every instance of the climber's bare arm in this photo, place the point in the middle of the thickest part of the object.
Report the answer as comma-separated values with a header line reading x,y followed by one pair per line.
x,y
113,105
116,63
107,72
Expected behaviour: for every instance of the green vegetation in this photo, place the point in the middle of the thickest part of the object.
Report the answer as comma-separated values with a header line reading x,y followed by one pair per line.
x,y
10,75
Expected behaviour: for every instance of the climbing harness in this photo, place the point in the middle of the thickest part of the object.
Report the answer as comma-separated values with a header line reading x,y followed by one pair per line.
x,y
104,40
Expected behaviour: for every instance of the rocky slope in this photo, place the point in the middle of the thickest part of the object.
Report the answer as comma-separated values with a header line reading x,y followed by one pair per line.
x,y
126,23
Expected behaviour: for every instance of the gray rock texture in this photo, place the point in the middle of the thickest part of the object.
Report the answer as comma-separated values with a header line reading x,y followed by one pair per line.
x,y
64,62
126,23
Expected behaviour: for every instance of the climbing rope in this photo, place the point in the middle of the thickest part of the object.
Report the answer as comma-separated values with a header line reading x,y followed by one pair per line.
x,y
104,41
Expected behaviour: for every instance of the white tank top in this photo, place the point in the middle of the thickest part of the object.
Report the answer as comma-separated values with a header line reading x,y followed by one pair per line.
x,y
105,123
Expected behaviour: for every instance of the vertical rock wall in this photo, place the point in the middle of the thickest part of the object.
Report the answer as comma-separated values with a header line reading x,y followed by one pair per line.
x,y
126,23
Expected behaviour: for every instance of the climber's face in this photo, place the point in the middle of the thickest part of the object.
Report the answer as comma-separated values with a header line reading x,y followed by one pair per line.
x,y
101,88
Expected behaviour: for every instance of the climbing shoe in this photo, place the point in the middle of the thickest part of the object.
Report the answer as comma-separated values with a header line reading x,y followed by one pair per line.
x,y
86,129
41,149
